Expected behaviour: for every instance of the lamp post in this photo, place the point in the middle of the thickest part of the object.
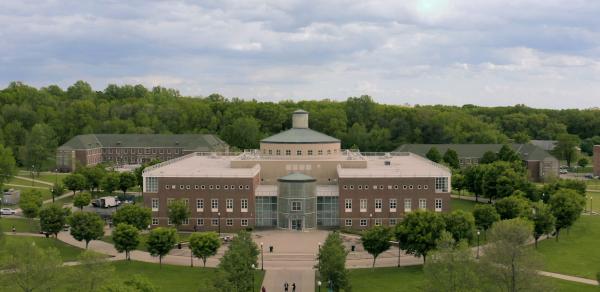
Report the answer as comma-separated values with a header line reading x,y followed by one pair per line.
x,y
319,257
32,174
219,220
478,233
370,219
319,285
252,277
262,258
591,204
399,253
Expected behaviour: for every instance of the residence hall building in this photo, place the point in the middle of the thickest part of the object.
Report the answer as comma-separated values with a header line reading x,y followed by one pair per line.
x,y
299,179
120,149
541,166
596,160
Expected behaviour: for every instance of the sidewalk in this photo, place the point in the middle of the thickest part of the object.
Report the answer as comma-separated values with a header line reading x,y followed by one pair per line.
x,y
34,180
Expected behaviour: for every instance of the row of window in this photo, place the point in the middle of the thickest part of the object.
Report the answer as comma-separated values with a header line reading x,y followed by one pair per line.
x,y
288,152
200,222
139,151
393,204
363,222
214,204
203,187
382,187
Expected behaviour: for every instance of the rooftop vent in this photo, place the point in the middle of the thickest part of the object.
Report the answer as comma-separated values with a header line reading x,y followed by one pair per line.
x,y
176,142
387,162
119,143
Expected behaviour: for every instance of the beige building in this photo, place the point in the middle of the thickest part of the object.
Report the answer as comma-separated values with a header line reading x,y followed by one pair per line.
x,y
298,179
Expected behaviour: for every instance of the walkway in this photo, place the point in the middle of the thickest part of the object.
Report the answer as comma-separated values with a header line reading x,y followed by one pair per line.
x,y
34,180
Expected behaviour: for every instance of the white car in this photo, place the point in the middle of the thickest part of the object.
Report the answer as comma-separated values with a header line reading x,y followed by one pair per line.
x,y
8,211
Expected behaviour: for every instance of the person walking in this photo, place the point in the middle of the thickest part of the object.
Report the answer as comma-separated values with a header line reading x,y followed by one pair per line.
x,y
263,289
14,230
294,287
286,286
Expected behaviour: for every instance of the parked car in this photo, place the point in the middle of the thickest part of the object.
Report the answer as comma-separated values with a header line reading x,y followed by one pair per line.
x,y
589,175
8,211
106,202
563,171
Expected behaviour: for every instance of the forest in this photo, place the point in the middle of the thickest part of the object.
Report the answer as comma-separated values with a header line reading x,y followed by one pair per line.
x,y
34,121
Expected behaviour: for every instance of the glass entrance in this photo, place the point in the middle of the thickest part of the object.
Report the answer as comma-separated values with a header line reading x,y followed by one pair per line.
x,y
296,224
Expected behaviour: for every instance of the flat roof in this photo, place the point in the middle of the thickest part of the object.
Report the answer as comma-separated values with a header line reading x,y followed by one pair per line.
x,y
200,165
405,165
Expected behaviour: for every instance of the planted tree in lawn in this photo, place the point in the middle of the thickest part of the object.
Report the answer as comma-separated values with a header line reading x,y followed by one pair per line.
x,y
52,219
110,182
7,165
512,207
127,180
126,238
74,182
93,176
57,190
30,203
419,232
94,271
376,240
82,199
31,268
543,220
204,245
160,242
179,211
566,205
458,181
485,215
434,154
332,263
451,158
86,226
460,224
135,215
236,263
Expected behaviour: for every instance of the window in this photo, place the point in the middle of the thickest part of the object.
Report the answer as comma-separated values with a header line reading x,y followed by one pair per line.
x,y
232,187
196,187
360,187
154,204
170,201
229,205
363,205
393,221
378,205
151,184
393,204
348,222
241,187
244,222
410,187
418,187
278,152
366,187
363,222
320,152
407,205
389,187
377,221
181,187
422,204
225,187
395,187
374,187
329,152
147,151
425,187
441,184
438,205
186,202
296,206
351,187
167,187
174,187
348,205
199,205
210,187
288,152
185,221
244,205
298,152
154,221
217,187
404,187
310,152
345,187
214,221
200,222
214,205
229,222
202,187
169,221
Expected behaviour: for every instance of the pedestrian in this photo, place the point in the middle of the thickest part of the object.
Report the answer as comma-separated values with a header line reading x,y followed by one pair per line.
x,y
294,287
14,230
286,286
263,289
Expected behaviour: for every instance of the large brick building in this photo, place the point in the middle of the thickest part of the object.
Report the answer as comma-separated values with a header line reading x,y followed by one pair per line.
x,y
298,179
91,149
596,160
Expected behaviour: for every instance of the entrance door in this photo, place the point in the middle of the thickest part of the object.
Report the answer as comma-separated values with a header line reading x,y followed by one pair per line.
x,y
296,224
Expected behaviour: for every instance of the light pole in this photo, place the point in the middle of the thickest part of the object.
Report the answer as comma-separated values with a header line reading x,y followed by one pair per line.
x,y
319,284
370,219
32,174
591,204
219,216
262,258
252,277
319,257
399,253
478,232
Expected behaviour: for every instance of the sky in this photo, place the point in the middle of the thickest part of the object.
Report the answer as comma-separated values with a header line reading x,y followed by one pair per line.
x,y
542,53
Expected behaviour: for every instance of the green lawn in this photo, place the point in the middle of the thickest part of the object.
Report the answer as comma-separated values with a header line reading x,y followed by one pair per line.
x,y
44,191
458,204
45,176
24,182
170,277
577,252
593,203
144,238
21,225
412,278
67,252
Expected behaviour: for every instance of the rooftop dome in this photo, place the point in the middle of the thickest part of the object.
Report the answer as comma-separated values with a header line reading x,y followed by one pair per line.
x,y
300,133
296,177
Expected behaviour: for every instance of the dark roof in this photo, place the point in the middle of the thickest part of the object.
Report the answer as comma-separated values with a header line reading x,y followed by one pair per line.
x,y
547,145
527,151
296,177
300,136
191,142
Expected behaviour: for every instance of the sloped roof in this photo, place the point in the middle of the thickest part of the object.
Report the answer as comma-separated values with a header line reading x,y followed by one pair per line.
x,y
527,151
300,136
192,142
297,177
547,145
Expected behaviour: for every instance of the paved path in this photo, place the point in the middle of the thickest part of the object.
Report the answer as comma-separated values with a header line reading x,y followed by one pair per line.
x,y
24,186
569,278
34,180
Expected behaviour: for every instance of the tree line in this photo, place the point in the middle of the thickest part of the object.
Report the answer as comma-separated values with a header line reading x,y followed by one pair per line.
x,y
35,121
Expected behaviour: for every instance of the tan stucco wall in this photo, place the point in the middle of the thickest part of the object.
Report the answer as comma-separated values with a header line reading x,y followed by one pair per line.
x,y
334,148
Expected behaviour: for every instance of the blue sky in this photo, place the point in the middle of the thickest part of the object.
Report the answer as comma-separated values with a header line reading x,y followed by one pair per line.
x,y
543,53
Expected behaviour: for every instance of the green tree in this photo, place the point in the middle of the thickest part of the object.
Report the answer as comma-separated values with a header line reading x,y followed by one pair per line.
x,y
236,263
140,284
566,147
179,211
451,267
566,206
74,182
460,224
127,180
93,176
82,199
138,171
485,215
39,146
31,267
110,182
376,240
160,242
57,190
332,263
506,153
94,271
458,181
243,133
488,157
419,232
451,157
52,219
86,226
543,220
30,203
507,263
434,154
126,238
7,165
512,207
135,215
582,162
204,245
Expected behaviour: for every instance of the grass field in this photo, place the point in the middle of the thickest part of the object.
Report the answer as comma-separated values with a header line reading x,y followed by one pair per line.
x,y
458,204
144,238
67,252
25,182
412,279
171,278
21,225
49,177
